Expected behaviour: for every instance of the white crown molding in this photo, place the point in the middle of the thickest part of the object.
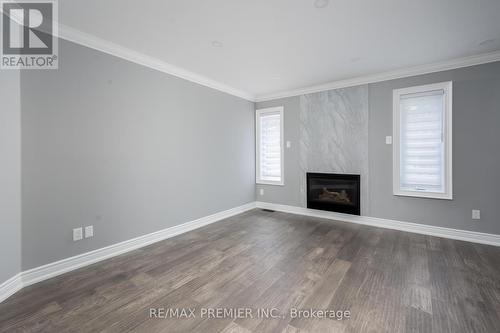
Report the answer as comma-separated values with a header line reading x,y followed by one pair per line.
x,y
53,269
386,76
96,43
463,235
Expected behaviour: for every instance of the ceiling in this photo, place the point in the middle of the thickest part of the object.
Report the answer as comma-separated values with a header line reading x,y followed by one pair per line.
x,y
263,47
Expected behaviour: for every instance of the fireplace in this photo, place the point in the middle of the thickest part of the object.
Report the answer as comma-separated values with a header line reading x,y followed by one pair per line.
x,y
334,192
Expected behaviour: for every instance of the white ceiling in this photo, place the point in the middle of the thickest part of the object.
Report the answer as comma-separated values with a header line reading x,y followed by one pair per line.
x,y
270,46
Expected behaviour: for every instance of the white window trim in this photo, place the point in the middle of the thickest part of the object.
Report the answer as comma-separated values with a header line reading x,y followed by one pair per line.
x,y
447,88
257,145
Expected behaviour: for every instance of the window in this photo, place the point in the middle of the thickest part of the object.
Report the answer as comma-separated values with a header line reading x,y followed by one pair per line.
x,y
269,146
422,141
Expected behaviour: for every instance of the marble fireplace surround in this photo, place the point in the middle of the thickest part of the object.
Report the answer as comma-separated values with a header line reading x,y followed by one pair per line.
x,y
333,136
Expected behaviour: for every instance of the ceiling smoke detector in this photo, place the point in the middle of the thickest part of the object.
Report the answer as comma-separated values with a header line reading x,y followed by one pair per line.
x,y
216,43
321,3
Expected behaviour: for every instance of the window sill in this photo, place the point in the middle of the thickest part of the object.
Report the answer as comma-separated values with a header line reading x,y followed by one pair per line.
x,y
263,182
424,195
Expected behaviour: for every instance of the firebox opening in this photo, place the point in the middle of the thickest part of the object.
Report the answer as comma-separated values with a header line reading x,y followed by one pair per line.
x,y
334,192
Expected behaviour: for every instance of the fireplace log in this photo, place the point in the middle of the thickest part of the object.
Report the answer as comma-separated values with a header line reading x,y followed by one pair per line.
x,y
335,196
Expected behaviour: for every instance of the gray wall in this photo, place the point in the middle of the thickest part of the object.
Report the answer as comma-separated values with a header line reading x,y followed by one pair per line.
x,y
290,192
476,161
10,175
125,148
476,153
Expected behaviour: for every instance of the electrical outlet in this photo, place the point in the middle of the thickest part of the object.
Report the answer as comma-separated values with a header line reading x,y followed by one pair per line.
x,y
388,140
261,191
288,144
89,231
476,214
77,234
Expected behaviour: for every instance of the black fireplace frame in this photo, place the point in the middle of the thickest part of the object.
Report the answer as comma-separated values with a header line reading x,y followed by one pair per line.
x,y
355,210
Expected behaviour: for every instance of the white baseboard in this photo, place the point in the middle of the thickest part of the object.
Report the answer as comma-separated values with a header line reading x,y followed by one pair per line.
x,y
10,287
464,235
48,271
44,272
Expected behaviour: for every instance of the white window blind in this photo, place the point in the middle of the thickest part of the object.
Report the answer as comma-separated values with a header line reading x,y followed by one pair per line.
x,y
422,145
269,146
423,150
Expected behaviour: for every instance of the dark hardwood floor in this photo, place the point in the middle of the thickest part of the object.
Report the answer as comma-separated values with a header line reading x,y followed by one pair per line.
x,y
389,281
